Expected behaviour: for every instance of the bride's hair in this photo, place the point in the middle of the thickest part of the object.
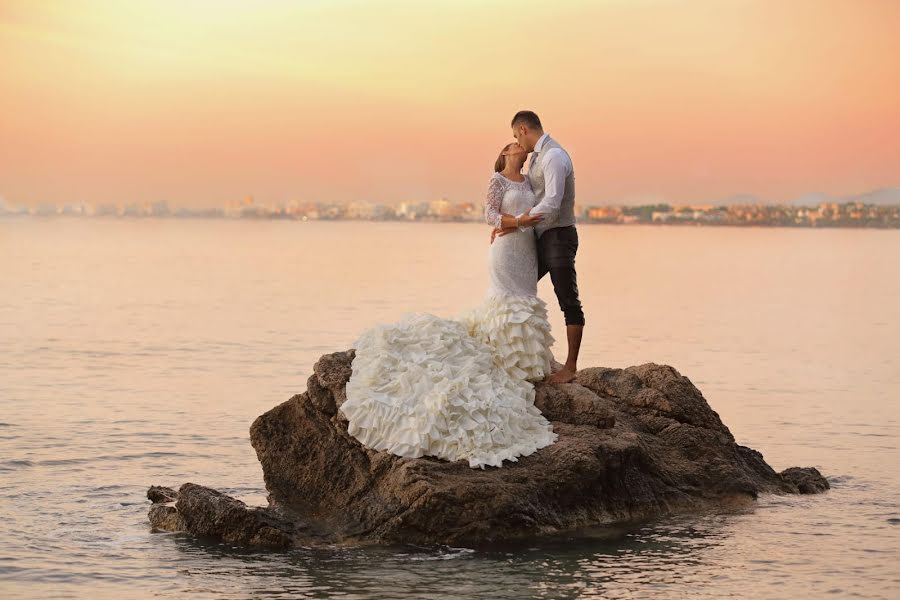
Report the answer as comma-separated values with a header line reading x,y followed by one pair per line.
x,y
501,160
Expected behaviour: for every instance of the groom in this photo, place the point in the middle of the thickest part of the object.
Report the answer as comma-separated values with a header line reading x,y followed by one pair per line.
x,y
552,178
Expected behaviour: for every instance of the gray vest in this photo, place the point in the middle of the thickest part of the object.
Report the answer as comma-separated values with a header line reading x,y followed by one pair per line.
x,y
536,177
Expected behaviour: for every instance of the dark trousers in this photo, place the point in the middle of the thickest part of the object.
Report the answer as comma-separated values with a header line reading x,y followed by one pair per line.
x,y
556,255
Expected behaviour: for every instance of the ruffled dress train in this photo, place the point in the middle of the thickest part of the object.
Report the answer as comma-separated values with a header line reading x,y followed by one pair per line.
x,y
460,389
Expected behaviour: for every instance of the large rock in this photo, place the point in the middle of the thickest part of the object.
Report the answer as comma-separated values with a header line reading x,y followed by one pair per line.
x,y
633,443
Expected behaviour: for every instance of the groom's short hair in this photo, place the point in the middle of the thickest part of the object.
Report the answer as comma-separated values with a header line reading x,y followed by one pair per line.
x,y
528,118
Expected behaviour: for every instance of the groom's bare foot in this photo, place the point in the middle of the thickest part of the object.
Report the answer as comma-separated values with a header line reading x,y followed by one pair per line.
x,y
564,375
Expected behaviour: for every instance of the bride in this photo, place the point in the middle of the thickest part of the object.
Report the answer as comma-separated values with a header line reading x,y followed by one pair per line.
x,y
461,389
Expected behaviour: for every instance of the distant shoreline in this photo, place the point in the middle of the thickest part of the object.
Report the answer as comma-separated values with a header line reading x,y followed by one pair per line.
x,y
856,213
582,221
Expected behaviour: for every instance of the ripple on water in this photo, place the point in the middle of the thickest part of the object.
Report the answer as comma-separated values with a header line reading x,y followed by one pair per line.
x,y
115,457
15,465
440,553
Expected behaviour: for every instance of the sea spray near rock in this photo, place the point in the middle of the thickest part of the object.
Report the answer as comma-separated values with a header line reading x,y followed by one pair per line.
x,y
633,443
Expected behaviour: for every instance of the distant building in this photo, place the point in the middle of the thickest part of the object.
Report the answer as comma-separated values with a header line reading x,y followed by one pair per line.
x,y
440,208
604,214
44,209
160,209
359,210
382,212
471,212
413,210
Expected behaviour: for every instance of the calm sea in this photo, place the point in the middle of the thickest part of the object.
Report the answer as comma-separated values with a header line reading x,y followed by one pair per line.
x,y
138,352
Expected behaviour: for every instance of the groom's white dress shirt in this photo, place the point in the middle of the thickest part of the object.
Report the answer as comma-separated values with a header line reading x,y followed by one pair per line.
x,y
556,166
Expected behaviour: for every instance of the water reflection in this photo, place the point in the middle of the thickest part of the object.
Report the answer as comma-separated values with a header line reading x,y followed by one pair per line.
x,y
593,563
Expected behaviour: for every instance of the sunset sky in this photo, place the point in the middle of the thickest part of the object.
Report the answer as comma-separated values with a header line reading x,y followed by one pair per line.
x,y
199,102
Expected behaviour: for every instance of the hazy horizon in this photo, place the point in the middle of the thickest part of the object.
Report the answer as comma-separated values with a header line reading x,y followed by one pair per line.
x,y
883,196
198,102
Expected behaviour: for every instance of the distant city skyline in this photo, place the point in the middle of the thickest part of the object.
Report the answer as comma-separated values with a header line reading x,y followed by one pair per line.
x,y
200,101
882,197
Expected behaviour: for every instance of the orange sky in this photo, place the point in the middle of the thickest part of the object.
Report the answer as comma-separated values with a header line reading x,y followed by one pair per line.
x,y
202,101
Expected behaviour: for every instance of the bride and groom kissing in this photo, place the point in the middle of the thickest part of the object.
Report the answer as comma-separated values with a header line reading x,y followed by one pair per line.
x,y
463,389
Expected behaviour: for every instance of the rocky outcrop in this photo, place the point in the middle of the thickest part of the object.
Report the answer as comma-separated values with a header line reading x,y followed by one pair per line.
x,y
633,443
205,512
807,480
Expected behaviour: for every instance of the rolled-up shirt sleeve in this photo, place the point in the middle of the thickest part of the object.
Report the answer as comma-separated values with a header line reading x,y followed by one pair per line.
x,y
492,214
555,167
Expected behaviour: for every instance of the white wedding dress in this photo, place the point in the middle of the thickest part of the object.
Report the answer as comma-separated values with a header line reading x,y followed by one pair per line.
x,y
459,389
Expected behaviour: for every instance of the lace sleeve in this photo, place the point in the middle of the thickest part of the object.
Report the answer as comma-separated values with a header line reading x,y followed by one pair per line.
x,y
492,203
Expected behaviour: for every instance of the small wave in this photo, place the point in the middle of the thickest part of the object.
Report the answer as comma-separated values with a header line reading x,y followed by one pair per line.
x,y
78,461
445,553
840,479
104,488
14,465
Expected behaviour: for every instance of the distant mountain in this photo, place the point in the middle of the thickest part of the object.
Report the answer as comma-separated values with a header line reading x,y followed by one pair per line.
x,y
736,199
882,197
812,199
636,200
